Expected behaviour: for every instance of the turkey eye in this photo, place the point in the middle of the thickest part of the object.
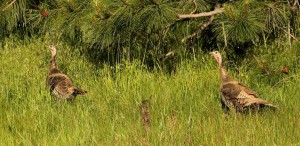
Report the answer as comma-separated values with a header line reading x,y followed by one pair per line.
x,y
216,52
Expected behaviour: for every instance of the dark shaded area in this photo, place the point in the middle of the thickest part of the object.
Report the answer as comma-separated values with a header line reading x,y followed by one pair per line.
x,y
116,32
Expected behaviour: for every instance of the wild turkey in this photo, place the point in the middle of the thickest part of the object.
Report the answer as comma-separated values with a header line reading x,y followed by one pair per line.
x,y
235,95
60,84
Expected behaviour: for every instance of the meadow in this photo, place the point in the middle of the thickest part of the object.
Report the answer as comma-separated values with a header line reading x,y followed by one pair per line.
x,y
184,106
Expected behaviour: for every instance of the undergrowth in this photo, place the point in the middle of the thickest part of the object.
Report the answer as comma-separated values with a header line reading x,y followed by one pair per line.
x,y
185,106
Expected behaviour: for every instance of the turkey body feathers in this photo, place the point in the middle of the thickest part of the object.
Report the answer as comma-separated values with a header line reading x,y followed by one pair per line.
x,y
60,84
234,94
239,97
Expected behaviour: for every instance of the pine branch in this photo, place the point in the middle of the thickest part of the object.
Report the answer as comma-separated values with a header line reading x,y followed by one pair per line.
x,y
155,2
217,10
296,2
125,2
289,34
194,1
9,5
203,26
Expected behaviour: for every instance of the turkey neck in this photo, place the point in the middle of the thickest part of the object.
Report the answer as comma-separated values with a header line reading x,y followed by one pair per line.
x,y
53,65
224,75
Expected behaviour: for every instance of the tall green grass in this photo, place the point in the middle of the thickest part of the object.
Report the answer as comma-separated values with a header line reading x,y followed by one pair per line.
x,y
185,107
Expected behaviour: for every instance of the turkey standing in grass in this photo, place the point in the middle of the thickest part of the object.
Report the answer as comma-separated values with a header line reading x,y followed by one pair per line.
x,y
60,84
235,95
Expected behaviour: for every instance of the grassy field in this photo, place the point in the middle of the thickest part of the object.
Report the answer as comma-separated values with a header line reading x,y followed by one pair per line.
x,y
185,107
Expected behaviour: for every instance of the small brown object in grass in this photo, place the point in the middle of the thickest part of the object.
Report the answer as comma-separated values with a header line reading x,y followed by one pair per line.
x,y
285,70
146,120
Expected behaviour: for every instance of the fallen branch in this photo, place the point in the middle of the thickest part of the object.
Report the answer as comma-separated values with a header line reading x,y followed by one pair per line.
x,y
9,5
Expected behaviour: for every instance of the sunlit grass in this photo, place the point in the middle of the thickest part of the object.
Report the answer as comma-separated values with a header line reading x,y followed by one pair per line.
x,y
185,108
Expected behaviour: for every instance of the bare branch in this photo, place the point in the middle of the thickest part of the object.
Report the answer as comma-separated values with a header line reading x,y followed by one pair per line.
x,y
203,14
212,14
125,2
194,1
202,26
296,2
155,2
224,34
289,34
9,5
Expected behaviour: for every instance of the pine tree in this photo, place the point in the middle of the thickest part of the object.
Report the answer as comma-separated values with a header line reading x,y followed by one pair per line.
x,y
153,31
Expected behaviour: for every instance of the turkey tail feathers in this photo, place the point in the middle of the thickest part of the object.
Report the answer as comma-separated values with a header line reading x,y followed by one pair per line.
x,y
248,100
78,91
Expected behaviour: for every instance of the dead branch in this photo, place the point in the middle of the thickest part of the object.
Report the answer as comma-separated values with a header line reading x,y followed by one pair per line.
x,y
9,5
224,34
125,2
217,10
155,2
289,34
296,2
170,54
202,27
194,1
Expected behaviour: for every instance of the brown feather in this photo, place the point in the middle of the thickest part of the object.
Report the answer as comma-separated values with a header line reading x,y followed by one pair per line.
x,y
236,95
79,91
60,84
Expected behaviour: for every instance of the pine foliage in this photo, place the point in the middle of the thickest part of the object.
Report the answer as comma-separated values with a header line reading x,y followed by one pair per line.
x,y
114,30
